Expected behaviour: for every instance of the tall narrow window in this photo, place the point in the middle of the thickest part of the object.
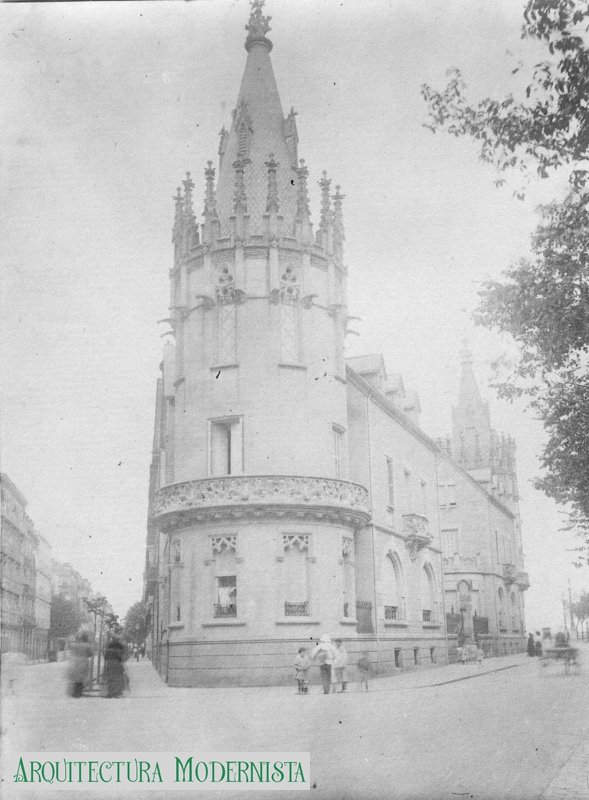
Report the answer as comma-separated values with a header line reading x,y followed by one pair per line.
x,y
290,334
392,583
348,578
296,575
428,595
423,498
450,544
337,437
226,447
390,485
227,296
225,598
408,492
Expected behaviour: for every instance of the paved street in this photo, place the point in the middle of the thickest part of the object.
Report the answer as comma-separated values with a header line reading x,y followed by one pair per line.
x,y
511,730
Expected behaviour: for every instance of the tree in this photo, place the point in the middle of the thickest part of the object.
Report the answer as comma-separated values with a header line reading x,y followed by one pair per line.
x,y
543,302
580,609
135,624
551,128
65,617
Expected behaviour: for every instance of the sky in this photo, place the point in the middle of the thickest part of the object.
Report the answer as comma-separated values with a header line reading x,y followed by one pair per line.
x,y
107,105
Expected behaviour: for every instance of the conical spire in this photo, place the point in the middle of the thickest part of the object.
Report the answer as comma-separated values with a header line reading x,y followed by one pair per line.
x,y
258,128
472,434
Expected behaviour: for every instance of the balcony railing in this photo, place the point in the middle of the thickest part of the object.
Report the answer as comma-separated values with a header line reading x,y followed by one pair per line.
x,y
417,535
225,610
296,609
321,497
346,610
391,612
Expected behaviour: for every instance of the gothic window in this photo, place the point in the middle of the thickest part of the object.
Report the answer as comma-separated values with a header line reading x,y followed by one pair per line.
x,y
226,446
226,295
392,588
296,575
514,614
243,140
290,333
224,554
428,594
348,577
175,582
501,609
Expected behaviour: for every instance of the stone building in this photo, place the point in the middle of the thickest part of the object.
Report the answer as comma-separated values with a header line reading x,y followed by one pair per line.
x,y
24,580
481,528
291,494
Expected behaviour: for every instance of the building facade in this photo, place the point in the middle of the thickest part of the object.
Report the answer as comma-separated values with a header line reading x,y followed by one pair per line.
x,y
291,494
24,581
484,572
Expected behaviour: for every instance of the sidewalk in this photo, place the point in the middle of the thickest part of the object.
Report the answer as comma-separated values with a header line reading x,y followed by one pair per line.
x,y
145,681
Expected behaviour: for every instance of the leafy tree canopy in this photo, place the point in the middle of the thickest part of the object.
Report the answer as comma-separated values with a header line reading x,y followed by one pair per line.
x,y
551,128
580,609
543,302
65,617
135,624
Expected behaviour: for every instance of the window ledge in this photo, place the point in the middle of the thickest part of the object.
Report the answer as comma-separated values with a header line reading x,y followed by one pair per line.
x,y
223,366
293,366
431,624
298,621
348,621
223,623
398,623
173,626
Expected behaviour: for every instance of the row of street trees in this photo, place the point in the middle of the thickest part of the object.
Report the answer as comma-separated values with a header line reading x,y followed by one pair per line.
x,y
543,301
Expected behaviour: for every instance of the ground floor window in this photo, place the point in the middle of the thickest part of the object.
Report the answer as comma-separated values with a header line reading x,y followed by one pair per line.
x,y
226,605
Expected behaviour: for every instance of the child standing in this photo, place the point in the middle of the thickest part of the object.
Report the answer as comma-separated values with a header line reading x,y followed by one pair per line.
x,y
340,662
364,669
480,656
302,664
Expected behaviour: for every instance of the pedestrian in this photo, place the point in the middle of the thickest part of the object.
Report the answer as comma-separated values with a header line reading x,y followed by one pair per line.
x,y
339,673
364,670
324,654
301,665
480,656
531,646
79,665
136,652
114,670
463,654
538,645
143,650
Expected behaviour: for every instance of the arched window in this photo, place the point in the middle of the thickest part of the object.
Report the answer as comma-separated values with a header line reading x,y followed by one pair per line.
x,y
224,555
296,575
226,315
428,594
514,613
290,334
501,598
243,140
393,592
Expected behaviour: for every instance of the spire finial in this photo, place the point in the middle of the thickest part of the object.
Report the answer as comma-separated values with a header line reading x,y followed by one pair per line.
x,y
272,204
210,211
258,26
303,211
338,224
240,197
465,353
326,213
178,215
188,187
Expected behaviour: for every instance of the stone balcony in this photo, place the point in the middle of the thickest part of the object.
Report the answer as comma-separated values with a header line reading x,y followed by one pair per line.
x,y
523,580
417,535
509,574
238,497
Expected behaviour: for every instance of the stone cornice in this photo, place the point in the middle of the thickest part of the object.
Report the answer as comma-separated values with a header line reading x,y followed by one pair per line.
x,y
262,497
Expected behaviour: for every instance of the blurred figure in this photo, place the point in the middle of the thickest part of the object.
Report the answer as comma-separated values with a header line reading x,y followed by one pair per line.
x,y
364,670
531,647
324,654
12,664
143,650
339,673
79,666
538,644
114,670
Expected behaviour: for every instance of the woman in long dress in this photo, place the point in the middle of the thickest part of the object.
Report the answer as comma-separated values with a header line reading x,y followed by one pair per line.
x,y
114,669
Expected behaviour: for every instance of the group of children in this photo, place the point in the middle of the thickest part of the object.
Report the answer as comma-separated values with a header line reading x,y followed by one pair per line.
x,y
333,664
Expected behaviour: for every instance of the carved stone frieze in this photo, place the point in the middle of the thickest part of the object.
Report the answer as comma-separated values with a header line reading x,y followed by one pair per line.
x,y
244,497
417,535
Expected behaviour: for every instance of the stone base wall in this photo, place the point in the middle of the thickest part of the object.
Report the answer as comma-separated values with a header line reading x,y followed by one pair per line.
x,y
270,662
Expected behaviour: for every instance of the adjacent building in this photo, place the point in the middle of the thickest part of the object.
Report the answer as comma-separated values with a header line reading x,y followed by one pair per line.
x,y
25,582
293,493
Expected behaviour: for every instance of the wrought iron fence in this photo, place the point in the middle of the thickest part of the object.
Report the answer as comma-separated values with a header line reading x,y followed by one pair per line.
x,y
229,610
296,609
390,612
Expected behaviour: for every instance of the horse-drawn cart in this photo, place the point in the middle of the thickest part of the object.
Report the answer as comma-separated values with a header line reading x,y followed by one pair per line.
x,y
569,656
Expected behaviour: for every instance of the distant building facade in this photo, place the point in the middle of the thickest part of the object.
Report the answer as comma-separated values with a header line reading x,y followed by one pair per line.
x,y
25,577
291,493
485,579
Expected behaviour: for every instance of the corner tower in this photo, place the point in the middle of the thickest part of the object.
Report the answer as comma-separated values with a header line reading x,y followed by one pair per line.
x,y
254,510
